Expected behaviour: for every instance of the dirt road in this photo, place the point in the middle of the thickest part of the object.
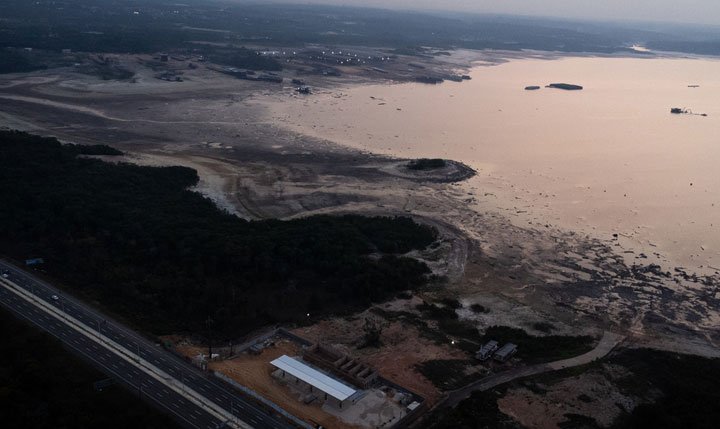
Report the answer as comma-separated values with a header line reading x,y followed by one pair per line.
x,y
608,342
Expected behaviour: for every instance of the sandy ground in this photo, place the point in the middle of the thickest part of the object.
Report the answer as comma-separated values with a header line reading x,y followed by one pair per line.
x,y
373,410
592,394
255,373
403,349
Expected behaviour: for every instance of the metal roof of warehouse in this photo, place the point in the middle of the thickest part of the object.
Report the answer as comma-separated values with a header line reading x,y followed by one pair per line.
x,y
314,377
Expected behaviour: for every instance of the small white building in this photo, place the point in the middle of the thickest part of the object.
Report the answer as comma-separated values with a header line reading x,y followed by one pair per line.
x,y
329,389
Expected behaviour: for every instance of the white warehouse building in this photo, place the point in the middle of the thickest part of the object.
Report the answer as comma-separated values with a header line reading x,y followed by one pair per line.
x,y
327,388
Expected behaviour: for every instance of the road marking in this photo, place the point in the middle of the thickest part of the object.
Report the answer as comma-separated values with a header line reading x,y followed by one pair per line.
x,y
118,351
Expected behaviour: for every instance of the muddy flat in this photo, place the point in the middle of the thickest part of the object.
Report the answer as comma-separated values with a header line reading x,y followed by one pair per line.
x,y
608,159
531,235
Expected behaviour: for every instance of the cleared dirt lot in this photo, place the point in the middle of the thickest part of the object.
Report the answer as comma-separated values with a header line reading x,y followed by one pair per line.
x,y
254,371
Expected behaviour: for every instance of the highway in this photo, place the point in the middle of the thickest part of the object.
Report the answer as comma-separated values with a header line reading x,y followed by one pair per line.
x,y
194,399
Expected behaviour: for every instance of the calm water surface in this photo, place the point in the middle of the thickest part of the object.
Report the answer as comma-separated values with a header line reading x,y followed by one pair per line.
x,y
608,159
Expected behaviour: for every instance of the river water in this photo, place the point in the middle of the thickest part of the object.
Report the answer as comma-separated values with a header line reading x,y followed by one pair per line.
x,y
605,160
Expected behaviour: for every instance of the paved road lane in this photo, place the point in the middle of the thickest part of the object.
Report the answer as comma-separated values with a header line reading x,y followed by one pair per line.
x,y
190,377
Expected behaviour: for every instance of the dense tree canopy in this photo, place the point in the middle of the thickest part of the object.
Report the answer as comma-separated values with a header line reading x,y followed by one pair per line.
x,y
136,239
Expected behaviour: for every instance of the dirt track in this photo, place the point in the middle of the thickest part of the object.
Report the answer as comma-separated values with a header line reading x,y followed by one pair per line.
x,y
608,342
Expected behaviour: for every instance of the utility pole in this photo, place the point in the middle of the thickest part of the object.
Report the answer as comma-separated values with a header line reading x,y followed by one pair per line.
x,y
209,322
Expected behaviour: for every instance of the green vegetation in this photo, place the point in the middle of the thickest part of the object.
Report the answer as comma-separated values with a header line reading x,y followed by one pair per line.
x,y
136,240
12,61
466,336
578,421
690,387
372,330
247,59
410,51
479,308
112,26
436,312
426,164
533,349
480,411
99,149
108,72
544,327
43,386
451,303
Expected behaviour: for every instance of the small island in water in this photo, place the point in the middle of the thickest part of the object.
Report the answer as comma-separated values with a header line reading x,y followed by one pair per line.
x,y
532,88
565,86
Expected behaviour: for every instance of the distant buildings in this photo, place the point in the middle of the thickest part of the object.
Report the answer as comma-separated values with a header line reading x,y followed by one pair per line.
x,y
250,75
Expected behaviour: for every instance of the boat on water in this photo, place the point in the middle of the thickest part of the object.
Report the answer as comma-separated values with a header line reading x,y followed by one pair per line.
x,y
683,111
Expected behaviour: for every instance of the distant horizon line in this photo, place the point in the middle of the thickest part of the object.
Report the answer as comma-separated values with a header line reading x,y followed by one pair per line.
x,y
457,13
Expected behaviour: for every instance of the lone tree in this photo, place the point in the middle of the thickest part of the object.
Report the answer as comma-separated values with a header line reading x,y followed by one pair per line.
x,y
373,330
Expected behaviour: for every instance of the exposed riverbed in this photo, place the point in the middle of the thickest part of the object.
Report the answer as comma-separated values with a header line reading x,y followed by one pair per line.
x,y
610,159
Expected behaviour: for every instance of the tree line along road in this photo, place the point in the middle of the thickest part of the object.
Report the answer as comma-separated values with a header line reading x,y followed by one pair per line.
x,y
191,397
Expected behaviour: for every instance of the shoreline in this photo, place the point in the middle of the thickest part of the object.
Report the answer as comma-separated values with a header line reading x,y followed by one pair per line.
x,y
278,112
262,170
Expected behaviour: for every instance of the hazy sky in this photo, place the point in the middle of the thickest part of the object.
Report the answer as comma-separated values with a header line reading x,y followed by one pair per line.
x,y
699,11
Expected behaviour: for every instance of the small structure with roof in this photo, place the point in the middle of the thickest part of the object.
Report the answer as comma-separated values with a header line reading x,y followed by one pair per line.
x,y
486,351
351,370
323,386
505,353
